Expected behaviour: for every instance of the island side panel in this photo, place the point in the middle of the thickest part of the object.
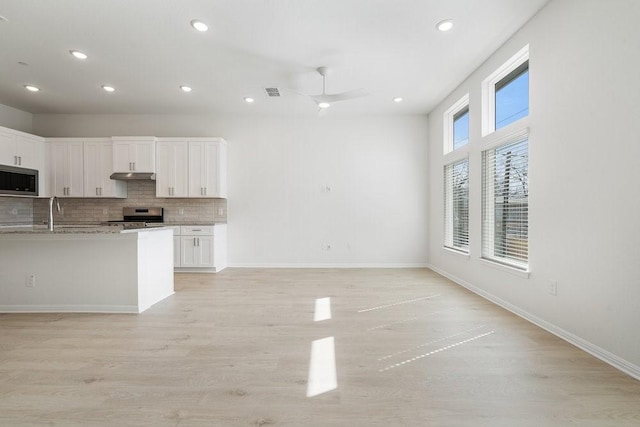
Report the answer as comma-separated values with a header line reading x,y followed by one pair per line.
x,y
155,267
68,273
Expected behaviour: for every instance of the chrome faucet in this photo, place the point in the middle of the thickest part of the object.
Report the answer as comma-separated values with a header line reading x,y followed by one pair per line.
x,y
51,200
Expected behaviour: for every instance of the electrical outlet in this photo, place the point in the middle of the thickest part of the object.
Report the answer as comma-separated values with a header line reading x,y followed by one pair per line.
x,y
14,211
553,287
180,211
105,211
220,211
31,281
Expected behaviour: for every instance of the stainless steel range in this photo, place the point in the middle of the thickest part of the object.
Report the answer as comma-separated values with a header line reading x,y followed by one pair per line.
x,y
140,217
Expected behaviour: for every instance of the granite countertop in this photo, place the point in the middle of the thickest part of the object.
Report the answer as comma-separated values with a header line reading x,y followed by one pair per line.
x,y
74,229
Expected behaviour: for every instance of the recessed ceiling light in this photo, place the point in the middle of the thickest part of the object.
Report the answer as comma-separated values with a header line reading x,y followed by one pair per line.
x,y
324,105
78,54
199,25
185,88
397,99
31,88
445,25
249,99
108,88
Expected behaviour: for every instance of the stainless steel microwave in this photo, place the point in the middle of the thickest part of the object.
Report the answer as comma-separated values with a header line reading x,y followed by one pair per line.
x,y
18,181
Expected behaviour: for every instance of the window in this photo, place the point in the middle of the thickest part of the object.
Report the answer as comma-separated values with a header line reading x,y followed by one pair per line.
x,y
505,93
461,128
512,96
456,125
456,206
505,203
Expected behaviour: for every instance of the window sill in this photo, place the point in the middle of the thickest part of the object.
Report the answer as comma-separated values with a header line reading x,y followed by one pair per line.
x,y
455,252
506,268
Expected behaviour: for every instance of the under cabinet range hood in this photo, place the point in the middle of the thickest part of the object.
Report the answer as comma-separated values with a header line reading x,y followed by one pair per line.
x,y
133,176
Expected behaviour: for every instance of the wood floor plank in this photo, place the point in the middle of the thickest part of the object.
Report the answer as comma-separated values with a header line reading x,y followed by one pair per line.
x,y
233,349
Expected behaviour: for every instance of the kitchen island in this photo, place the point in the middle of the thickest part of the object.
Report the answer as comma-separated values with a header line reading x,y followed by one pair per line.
x,y
89,269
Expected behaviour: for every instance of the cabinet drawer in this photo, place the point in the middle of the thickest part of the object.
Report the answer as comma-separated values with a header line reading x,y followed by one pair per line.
x,y
193,230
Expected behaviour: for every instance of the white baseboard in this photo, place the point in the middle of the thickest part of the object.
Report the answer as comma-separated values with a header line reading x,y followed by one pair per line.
x,y
328,265
69,309
602,354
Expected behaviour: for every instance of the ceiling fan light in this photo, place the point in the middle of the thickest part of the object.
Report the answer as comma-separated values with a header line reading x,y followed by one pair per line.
x,y
445,25
199,25
324,105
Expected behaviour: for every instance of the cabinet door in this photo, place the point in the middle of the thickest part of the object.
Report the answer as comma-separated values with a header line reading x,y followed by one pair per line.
x,y
204,169
171,169
205,249
188,251
67,168
108,187
144,159
26,150
122,156
92,169
7,150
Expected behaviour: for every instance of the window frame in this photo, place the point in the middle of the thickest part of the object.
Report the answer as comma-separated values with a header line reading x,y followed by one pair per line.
x,y
449,201
489,89
448,120
488,198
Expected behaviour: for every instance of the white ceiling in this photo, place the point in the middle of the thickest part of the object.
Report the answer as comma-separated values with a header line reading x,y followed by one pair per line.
x,y
146,49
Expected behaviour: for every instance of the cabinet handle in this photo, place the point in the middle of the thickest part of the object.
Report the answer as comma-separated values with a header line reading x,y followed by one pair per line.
x,y
20,160
97,191
101,191
15,160
134,166
205,191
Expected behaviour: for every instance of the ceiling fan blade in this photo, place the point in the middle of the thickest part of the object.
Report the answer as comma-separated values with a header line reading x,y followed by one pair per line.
x,y
357,93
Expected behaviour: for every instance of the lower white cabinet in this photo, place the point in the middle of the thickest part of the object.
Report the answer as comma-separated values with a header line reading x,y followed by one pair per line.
x,y
200,247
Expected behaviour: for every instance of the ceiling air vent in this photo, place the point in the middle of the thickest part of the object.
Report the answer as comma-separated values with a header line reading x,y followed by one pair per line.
x,y
272,91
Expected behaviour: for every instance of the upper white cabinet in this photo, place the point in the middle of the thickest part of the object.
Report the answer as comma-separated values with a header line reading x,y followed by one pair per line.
x,y
98,165
67,168
191,167
134,154
172,171
208,168
20,149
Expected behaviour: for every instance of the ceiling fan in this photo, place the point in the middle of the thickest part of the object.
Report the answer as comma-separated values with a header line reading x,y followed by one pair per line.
x,y
324,100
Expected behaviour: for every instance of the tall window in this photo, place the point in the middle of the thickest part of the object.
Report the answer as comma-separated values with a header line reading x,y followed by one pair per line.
x,y
512,96
456,206
505,203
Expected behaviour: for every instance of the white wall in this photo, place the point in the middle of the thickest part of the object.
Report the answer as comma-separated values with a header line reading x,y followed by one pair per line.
x,y
584,203
278,214
15,119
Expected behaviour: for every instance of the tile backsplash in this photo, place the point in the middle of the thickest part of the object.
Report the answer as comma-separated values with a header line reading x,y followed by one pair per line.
x,y
16,210
140,193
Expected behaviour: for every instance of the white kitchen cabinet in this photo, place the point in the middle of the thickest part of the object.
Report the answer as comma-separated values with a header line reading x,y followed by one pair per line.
x,y
67,168
134,154
172,171
207,167
20,149
200,248
98,165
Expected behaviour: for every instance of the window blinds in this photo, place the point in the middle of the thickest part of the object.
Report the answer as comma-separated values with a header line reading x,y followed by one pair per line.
x,y
456,191
505,204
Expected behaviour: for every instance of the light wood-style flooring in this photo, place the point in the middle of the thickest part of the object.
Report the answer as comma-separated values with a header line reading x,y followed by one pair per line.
x,y
233,349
